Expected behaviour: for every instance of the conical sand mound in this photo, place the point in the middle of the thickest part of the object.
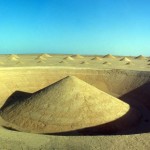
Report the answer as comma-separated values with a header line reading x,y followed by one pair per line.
x,y
68,58
125,59
67,105
41,61
46,55
77,56
109,56
140,57
19,62
107,63
13,57
40,58
63,62
96,58
84,62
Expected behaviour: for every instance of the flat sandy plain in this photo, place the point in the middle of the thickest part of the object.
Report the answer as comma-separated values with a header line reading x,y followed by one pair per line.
x,y
126,78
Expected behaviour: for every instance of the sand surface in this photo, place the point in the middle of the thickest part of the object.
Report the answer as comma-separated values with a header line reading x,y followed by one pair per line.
x,y
126,78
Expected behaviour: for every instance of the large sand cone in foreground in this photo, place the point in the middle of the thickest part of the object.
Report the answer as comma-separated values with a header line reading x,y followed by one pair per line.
x,y
68,105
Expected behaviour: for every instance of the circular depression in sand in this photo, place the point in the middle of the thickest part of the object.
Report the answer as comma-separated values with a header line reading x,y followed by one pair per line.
x,y
70,105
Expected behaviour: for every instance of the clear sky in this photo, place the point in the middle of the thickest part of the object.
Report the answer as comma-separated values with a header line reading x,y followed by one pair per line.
x,y
119,27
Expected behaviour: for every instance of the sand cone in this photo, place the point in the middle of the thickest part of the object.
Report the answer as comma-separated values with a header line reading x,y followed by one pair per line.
x,y
41,58
140,57
67,105
84,62
125,59
77,56
96,58
63,62
46,55
13,57
109,56
68,58
107,63
41,61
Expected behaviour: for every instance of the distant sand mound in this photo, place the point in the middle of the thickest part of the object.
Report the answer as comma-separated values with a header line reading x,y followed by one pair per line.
x,y
14,57
107,63
19,62
68,58
46,55
41,61
67,105
109,56
63,62
96,58
84,62
125,59
140,57
77,56
40,58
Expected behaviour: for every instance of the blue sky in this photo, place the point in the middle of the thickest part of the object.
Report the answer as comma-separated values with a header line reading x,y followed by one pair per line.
x,y
119,27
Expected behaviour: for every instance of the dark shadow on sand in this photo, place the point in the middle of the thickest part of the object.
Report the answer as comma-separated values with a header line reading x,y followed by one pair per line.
x,y
16,97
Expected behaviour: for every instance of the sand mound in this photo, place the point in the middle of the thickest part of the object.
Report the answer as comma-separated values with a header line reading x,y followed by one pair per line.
x,y
69,104
41,61
77,56
109,56
19,62
43,57
107,63
40,58
46,55
63,62
125,59
68,58
140,57
13,57
84,62
96,58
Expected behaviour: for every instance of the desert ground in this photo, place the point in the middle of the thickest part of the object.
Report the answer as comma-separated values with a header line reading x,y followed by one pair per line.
x,y
74,102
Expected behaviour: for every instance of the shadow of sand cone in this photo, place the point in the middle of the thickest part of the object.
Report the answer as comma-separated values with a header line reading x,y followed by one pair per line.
x,y
140,57
84,62
77,56
68,104
96,58
46,55
63,62
42,58
14,59
109,56
41,61
68,58
125,59
19,62
13,56
107,63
